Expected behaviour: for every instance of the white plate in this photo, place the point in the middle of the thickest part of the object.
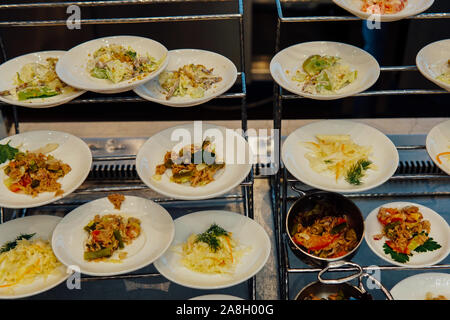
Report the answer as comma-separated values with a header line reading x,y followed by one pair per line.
x,y
286,62
432,61
245,230
157,234
43,226
71,68
72,150
416,287
236,169
440,233
223,67
438,141
412,8
8,72
216,297
384,155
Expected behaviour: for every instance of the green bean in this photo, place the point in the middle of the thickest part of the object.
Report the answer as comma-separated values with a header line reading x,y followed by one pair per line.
x,y
90,255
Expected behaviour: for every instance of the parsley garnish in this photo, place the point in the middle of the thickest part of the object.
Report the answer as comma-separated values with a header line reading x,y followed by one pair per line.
x,y
356,172
131,54
210,236
396,256
12,244
429,245
7,152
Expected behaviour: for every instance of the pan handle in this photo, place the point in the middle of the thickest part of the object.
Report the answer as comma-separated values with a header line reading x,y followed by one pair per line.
x,y
299,191
386,292
338,264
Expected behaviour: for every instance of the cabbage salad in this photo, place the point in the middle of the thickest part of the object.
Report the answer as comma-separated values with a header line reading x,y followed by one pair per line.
x,y
37,80
190,80
324,75
117,63
445,76
341,156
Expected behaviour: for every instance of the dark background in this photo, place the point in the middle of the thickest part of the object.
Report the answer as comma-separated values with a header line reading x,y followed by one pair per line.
x,y
397,43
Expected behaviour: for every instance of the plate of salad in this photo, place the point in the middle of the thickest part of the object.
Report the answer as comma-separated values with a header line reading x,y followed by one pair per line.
x,y
407,234
194,161
192,77
324,70
39,167
31,81
104,239
340,156
384,10
433,62
112,64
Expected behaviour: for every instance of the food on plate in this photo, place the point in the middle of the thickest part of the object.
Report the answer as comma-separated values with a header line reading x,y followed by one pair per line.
x,y
213,251
324,75
191,79
32,173
445,76
116,199
327,236
431,296
341,156
24,260
383,6
108,234
335,296
37,80
443,155
116,63
406,232
193,164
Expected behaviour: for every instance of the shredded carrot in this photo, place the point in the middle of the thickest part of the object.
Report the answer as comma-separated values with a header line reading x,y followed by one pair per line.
x,y
231,250
440,155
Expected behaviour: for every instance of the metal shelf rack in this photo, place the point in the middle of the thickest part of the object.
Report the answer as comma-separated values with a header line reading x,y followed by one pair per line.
x,y
282,180
91,188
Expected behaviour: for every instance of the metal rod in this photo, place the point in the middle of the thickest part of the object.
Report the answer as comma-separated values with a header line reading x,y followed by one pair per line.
x,y
2,215
408,148
380,93
121,277
398,68
45,23
423,16
369,268
96,3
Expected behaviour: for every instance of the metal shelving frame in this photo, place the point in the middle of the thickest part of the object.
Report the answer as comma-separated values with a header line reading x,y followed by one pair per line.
x,y
282,180
246,186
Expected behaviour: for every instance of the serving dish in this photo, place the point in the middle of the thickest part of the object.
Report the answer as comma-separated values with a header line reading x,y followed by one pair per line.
x,y
384,155
411,8
222,67
286,62
249,234
72,67
9,70
437,143
71,150
43,226
157,233
417,286
440,232
230,146
432,60
337,206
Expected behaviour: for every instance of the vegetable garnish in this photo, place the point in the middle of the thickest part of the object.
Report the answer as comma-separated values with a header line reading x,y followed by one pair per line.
x,y
12,244
356,172
210,236
7,152
383,6
445,76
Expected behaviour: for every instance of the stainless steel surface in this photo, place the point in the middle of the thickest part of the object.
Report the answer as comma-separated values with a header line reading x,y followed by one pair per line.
x,y
398,92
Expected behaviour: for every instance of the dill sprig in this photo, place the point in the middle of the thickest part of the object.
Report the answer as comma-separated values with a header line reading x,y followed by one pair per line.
x,y
12,244
210,236
356,172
